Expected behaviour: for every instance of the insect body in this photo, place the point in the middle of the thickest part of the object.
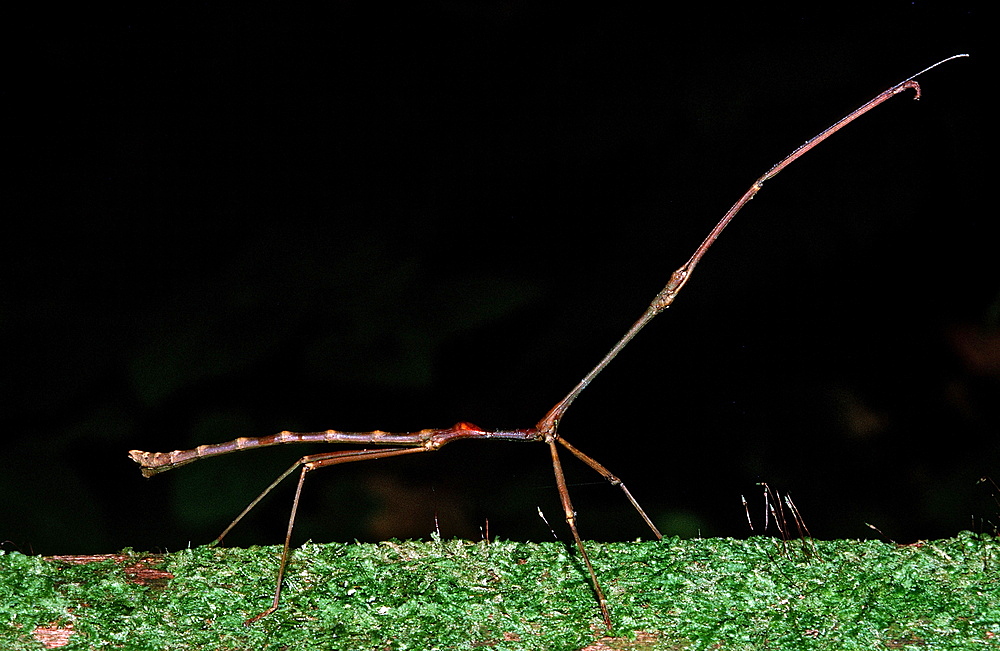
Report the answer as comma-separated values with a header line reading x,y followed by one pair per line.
x,y
386,445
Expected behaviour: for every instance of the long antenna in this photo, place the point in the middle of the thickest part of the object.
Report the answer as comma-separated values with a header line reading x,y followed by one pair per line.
x,y
679,278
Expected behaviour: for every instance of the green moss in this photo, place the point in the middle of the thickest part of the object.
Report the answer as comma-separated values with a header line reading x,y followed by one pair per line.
x,y
675,594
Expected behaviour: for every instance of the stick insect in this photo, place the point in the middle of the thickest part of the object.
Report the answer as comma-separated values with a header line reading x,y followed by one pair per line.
x,y
384,445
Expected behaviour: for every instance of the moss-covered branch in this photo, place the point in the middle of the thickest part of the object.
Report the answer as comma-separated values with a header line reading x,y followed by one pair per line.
x,y
676,594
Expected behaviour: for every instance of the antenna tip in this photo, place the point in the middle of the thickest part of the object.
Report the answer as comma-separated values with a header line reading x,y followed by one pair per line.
x,y
931,67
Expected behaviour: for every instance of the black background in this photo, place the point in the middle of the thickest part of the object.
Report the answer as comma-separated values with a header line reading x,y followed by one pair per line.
x,y
229,221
